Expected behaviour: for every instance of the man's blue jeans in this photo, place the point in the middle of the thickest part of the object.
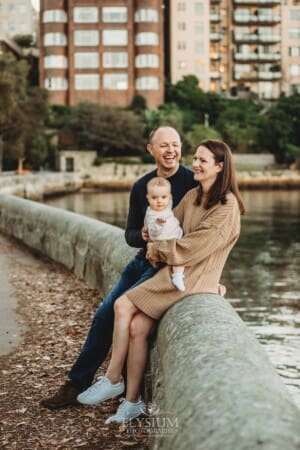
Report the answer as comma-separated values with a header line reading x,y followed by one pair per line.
x,y
99,338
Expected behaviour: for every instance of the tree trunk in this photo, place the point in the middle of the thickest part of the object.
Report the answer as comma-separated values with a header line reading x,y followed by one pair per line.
x,y
1,152
20,165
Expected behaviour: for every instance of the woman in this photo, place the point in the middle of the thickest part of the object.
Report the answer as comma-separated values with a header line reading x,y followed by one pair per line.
x,y
210,218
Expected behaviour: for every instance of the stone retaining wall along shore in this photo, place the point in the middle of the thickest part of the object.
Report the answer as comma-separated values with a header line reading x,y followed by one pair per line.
x,y
213,385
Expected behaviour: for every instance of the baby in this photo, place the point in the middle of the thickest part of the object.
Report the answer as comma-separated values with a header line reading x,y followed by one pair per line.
x,y
161,222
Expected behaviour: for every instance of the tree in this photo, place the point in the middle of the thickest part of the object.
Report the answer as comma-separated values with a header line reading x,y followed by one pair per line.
x,y
110,131
281,131
199,133
22,109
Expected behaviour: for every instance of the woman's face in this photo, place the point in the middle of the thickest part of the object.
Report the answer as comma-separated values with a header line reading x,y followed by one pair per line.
x,y
205,167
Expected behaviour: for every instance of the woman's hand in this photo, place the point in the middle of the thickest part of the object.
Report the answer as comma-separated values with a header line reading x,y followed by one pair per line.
x,y
221,290
153,261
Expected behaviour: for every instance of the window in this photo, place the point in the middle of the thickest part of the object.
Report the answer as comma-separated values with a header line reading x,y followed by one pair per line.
x,y
54,15
199,67
146,15
23,27
117,14
11,7
115,81
295,89
147,38
11,26
181,26
55,62
56,84
199,27
294,69
147,83
86,82
198,8
55,39
182,65
294,14
146,60
115,37
86,37
86,60
294,51
22,8
294,33
181,45
115,59
181,6
88,14
199,47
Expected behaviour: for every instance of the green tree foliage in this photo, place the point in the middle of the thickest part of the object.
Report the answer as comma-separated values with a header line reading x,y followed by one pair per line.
x,y
167,114
24,40
199,133
239,124
280,134
22,108
110,131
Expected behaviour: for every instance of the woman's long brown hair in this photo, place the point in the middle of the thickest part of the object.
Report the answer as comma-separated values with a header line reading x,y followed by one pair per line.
x,y
226,179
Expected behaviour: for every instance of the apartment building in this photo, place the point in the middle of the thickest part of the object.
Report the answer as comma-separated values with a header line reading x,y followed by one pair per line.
x,y
17,17
237,45
102,51
290,46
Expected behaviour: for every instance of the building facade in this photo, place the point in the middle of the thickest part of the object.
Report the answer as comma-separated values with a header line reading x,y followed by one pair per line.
x,y
103,51
237,46
17,17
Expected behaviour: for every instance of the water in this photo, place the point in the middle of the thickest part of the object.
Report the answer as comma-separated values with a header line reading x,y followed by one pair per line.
x,y
261,275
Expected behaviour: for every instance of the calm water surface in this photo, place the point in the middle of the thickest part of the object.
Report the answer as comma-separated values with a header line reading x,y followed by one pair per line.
x,y
262,274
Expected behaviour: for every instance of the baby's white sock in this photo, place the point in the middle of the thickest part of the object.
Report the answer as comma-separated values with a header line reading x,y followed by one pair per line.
x,y
177,280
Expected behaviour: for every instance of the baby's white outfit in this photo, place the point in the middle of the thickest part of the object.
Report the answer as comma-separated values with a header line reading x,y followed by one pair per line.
x,y
170,229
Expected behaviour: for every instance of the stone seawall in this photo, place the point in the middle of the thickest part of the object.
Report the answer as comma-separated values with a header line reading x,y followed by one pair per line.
x,y
213,385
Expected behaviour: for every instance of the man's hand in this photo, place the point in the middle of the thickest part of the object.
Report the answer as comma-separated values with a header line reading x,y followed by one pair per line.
x,y
145,234
153,261
161,220
221,290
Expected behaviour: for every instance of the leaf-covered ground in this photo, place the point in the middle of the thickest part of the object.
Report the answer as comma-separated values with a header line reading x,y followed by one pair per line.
x,y
57,309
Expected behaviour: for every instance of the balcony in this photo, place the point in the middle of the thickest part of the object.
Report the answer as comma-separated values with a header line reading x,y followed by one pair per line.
x,y
257,2
269,75
214,17
214,75
254,37
256,18
240,56
257,76
215,36
215,55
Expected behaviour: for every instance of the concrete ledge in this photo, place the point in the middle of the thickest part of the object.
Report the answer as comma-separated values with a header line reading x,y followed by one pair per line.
x,y
208,371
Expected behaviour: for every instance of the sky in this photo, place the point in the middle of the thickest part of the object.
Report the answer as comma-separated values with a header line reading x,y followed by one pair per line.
x,y
36,4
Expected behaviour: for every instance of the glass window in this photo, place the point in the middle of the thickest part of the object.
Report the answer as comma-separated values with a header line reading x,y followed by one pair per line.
x,y
199,47
294,33
294,14
118,81
86,14
146,38
147,83
181,26
199,27
11,7
181,45
146,15
115,59
56,84
86,37
115,37
55,62
294,51
146,60
181,6
86,60
294,69
22,8
11,26
86,82
117,14
23,27
55,15
198,8
55,39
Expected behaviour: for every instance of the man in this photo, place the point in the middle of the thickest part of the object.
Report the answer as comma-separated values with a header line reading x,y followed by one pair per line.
x,y
165,147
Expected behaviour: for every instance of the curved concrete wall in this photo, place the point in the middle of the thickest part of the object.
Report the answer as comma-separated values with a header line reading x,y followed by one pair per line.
x,y
213,385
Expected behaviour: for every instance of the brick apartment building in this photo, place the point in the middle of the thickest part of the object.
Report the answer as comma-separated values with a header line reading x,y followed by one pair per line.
x,y
103,51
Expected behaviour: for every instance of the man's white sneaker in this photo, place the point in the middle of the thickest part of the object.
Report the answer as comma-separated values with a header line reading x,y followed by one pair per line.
x,y
127,411
100,391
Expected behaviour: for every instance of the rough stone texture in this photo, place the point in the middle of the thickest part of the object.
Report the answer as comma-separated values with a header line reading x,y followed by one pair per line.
x,y
94,250
208,371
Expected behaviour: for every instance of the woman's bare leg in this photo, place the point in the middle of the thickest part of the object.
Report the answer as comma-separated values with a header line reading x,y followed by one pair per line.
x,y
140,328
124,312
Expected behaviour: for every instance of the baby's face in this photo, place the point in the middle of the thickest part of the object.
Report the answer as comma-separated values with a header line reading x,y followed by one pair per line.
x,y
159,197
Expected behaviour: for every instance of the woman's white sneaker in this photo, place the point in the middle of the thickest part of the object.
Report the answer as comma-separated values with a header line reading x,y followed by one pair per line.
x,y
100,391
127,411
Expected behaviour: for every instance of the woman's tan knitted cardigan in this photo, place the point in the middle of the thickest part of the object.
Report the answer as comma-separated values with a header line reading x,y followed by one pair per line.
x,y
209,236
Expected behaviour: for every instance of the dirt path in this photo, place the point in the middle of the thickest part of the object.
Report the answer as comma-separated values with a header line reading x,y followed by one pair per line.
x,y
57,309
